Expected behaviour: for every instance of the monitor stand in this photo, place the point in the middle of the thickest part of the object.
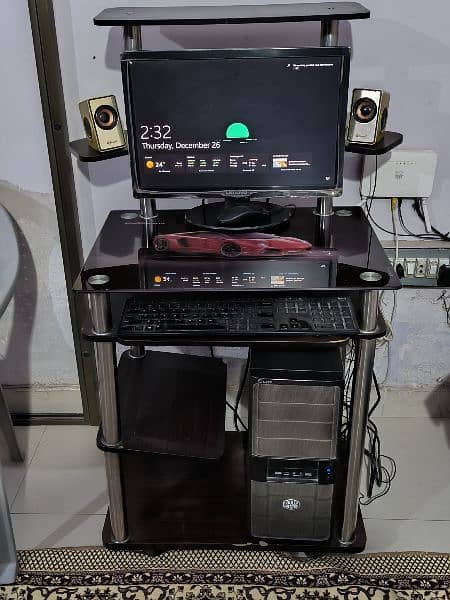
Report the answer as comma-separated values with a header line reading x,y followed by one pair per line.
x,y
239,215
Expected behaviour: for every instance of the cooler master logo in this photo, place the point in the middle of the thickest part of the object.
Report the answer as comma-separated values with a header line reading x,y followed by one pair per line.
x,y
291,504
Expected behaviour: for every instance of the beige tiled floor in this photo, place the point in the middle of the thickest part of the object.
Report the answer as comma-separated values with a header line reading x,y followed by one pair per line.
x,y
58,496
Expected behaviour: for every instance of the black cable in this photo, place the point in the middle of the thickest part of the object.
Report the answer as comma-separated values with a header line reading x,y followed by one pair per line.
x,y
426,236
293,208
386,230
445,305
231,407
236,417
387,478
447,309
417,206
382,228
377,388
350,360
371,198
372,194
239,395
377,473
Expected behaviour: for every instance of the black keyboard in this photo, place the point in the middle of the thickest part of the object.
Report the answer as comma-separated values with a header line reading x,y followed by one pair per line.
x,y
201,315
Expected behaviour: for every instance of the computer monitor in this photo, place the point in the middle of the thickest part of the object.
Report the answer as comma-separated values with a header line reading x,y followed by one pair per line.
x,y
236,123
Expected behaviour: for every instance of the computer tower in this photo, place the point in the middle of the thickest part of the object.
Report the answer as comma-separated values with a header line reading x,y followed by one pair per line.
x,y
295,421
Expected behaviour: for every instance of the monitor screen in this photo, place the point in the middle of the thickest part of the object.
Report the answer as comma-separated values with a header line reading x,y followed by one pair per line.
x,y
231,120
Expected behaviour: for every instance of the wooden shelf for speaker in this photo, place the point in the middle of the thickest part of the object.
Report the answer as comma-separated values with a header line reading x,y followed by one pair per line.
x,y
85,153
390,140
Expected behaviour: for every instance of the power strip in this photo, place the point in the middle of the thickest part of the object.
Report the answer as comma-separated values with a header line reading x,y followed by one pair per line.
x,y
421,265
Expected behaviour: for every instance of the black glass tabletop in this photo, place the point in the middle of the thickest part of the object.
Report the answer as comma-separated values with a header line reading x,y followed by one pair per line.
x,y
126,257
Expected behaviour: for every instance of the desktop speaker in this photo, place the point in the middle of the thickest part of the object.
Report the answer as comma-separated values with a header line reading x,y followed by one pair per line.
x,y
296,400
368,116
102,123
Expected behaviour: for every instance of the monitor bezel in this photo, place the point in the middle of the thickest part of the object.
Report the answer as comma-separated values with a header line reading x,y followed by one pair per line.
x,y
342,52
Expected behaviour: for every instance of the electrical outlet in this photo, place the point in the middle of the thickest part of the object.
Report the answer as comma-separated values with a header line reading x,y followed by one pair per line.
x,y
410,266
420,264
432,268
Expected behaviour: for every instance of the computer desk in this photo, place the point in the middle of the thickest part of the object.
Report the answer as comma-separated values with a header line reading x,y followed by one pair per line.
x,y
112,273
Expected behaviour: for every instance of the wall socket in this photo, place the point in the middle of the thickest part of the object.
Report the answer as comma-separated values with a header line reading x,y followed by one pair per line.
x,y
421,265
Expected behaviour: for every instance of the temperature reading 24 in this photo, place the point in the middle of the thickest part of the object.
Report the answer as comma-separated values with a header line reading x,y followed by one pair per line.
x,y
156,132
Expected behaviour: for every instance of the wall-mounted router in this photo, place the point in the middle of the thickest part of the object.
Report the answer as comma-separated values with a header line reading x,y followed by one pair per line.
x,y
400,174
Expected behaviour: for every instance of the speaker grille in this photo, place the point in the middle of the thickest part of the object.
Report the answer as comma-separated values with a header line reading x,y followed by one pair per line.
x,y
295,420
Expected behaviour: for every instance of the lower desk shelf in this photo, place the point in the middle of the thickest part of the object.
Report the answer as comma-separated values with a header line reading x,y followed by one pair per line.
x,y
173,502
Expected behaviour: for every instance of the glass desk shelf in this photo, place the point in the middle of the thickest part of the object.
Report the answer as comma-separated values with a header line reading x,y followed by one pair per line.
x,y
360,261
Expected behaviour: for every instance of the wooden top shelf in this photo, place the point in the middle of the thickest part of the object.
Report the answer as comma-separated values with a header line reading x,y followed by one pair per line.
x,y
241,13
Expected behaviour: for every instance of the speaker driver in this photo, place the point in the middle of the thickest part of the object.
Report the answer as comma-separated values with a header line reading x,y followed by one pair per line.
x,y
106,117
365,110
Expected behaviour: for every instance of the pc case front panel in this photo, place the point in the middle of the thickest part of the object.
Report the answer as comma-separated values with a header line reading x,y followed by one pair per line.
x,y
295,425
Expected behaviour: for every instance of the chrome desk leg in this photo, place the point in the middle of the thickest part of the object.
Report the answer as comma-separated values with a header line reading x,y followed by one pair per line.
x,y
329,33
148,216
137,351
105,355
360,408
132,37
324,213
147,208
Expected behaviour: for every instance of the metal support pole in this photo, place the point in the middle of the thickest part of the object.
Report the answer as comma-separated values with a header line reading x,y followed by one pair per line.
x,y
148,215
148,208
324,212
136,351
105,355
360,409
329,33
323,232
132,38
329,36
324,206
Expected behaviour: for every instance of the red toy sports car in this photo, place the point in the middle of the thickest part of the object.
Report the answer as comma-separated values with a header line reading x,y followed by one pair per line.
x,y
220,244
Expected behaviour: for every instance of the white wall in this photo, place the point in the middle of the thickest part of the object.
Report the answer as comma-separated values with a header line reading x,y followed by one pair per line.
x,y
402,48
36,345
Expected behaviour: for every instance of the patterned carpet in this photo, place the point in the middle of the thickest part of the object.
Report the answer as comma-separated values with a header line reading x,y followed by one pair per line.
x,y
98,574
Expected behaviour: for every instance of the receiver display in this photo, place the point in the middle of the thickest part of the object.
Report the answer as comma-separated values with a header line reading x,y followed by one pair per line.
x,y
184,275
